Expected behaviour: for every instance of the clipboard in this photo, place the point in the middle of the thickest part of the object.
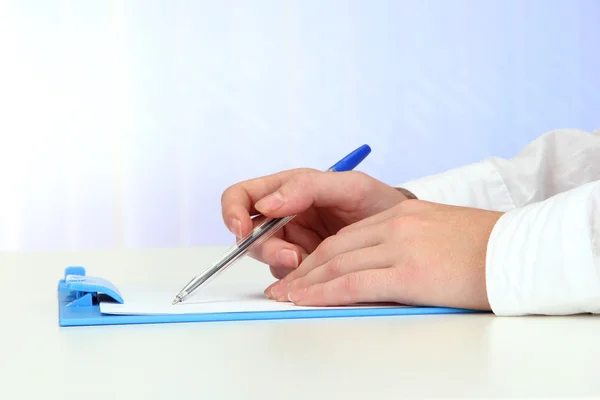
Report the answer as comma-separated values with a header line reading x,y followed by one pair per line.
x,y
79,298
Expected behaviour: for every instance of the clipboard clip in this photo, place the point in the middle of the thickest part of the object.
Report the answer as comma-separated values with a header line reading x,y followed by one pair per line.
x,y
85,291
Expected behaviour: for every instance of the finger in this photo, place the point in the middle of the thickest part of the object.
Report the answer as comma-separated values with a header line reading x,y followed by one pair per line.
x,y
369,286
291,236
369,258
237,201
278,273
331,247
275,250
258,252
343,190
279,253
304,238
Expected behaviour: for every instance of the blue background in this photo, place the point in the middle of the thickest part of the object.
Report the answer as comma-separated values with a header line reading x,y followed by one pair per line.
x,y
122,122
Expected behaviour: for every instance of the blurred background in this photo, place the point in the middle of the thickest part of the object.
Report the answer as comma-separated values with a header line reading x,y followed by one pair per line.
x,y
121,122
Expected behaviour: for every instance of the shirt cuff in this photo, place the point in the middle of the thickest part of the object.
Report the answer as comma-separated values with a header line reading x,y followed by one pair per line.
x,y
540,258
477,185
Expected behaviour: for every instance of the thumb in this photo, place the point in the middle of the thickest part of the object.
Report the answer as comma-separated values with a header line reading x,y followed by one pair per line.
x,y
319,189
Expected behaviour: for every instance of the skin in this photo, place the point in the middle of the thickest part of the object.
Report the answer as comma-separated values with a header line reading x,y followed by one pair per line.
x,y
358,240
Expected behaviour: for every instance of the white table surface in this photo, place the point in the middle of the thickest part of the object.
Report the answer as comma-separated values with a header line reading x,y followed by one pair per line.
x,y
443,356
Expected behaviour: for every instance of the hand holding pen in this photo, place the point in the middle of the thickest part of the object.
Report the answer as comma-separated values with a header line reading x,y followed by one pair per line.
x,y
303,234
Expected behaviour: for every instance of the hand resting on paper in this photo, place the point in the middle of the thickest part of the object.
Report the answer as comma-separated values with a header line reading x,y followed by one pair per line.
x,y
416,253
358,240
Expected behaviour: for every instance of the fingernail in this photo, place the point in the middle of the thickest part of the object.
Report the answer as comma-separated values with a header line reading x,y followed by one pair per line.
x,y
235,226
287,258
289,288
279,290
296,296
270,203
267,291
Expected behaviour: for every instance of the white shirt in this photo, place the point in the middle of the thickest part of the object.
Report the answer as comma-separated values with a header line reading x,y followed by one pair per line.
x,y
544,253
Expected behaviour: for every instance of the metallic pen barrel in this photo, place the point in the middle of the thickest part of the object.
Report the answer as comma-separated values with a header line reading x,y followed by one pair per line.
x,y
261,232
257,236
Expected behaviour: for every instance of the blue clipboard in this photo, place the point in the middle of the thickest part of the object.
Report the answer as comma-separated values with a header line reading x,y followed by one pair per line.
x,y
79,297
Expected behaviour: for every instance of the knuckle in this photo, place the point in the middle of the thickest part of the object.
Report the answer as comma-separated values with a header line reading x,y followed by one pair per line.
x,y
302,178
362,183
348,229
326,247
336,265
403,222
329,242
363,178
227,193
236,191
358,175
350,285
306,170
300,182
344,230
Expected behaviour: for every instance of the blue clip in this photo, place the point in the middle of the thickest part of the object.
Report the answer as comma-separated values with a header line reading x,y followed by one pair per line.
x,y
83,291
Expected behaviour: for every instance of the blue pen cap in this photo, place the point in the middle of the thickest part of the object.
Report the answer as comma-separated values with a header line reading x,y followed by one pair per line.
x,y
350,162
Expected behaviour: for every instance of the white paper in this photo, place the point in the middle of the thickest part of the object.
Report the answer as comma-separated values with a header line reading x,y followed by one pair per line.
x,y
216,299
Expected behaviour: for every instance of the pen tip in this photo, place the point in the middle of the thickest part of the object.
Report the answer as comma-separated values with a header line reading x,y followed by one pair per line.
x,y
177,300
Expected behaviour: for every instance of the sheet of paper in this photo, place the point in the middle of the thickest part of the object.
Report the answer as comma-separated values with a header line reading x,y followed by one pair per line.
x,y
216,299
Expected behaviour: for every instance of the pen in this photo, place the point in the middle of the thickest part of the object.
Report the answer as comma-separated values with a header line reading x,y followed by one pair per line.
x,y
261,232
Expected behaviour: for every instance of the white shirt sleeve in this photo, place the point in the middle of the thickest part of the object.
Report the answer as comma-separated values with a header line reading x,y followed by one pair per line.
x,y
544,252
544,258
